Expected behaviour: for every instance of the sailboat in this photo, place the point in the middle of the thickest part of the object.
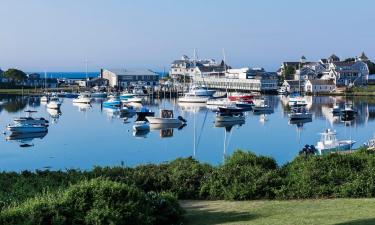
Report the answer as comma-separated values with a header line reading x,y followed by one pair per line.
x,y
44,98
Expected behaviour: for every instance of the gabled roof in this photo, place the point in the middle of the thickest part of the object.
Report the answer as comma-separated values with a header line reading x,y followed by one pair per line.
x,y
343,63
292,83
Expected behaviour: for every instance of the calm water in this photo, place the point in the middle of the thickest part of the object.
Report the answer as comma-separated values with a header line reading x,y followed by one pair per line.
x,y
85,137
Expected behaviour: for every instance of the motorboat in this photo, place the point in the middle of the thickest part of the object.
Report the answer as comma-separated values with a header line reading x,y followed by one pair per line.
x,y
218,102
135,99
230,109
166,117
239,96
99,95
141,126
143,112
299,113
193,98
113,101
30,120
328,143
26,128
229,117
54,103
246,105
201,91
83,98
262,107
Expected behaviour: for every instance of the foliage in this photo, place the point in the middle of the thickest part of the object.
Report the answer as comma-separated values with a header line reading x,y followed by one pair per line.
x,y
15,75
371,67
288,72
97,201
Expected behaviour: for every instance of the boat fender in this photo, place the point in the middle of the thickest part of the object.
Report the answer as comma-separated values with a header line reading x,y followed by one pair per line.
x,y
182,119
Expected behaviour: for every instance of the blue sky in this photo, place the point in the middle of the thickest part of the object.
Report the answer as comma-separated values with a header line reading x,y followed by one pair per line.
x,y
59,35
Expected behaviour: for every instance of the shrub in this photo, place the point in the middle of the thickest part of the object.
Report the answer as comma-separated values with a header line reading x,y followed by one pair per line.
x,y
97,201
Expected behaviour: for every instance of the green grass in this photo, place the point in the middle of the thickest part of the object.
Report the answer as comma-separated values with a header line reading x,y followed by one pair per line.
x,y
327,211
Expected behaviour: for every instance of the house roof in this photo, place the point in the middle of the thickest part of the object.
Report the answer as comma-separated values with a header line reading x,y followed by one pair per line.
x,y
292,83
321,82
125,72
343,63
324,60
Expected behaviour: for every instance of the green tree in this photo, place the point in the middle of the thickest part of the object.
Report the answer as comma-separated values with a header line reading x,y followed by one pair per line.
x,y
15,75
288,73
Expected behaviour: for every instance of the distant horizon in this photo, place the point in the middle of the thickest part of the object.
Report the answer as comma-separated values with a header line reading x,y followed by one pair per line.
x,y
61,35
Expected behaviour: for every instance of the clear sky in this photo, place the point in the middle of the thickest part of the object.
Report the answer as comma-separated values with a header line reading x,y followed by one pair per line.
x,y
58,35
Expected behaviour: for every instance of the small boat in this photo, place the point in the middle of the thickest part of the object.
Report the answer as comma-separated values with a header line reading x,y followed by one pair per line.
x,y
166,117
126,95
99,95
245,105
230,109
299,113
54,103
133,99
143,112
229,117
113,101
296,101
262,107
26,128
218,102
201,91
239,96
193,98
83,98
30,120
328,143
141,126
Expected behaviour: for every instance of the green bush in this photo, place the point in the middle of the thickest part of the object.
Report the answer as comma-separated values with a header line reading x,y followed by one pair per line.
x,y
243,176
97,201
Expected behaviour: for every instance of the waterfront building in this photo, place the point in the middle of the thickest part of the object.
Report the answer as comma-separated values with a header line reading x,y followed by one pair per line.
x,y
316,86
347,73
196,67
126,78
291,86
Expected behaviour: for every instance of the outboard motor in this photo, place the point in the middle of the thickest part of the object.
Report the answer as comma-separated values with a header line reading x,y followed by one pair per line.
x,y
182,119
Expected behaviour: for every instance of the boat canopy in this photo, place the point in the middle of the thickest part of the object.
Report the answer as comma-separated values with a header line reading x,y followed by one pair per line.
x,y
164,113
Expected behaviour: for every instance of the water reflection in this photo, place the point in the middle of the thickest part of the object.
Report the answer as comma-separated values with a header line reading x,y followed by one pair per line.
x,y
25,139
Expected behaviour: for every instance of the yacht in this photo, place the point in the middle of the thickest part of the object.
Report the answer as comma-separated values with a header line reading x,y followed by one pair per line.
x,y
166,117
201,91
193,98
83,98
54,103
262,107
328,143
26,128
299,113
113,101
30,120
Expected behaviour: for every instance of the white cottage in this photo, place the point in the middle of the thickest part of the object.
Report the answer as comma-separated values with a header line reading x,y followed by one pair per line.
x,y
319,86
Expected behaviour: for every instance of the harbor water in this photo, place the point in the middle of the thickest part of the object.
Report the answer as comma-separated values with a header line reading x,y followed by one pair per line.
x,y
83,137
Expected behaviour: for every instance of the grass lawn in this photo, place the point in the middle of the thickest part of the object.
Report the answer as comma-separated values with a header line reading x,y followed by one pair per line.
x,y
328,211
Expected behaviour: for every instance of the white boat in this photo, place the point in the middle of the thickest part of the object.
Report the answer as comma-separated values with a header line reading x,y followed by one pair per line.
x,y
218,102
112,101
193,98
297,101
299,113
328,143
228,117
135,99
83,98
262,107
141,126
26,128
54,103
126,95
166,117
201,91
30,120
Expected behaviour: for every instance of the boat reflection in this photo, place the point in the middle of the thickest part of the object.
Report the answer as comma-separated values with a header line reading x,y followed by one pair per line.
x,y
166,130
25,139
82,107
54,114
300,122
141,133
191,107
229,125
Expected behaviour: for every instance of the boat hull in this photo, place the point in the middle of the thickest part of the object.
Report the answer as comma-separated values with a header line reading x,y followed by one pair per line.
x,y
159,120
27,129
